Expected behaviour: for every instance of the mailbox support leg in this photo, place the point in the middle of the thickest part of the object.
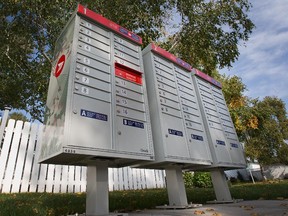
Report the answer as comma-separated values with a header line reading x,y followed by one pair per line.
x,y
175,186
97,200
220,185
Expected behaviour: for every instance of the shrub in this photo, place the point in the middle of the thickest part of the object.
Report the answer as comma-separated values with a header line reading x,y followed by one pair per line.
x,y
188,179
202,180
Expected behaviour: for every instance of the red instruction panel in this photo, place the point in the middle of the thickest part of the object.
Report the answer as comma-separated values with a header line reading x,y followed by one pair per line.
x,y
109,24
171,57
207,78
128,74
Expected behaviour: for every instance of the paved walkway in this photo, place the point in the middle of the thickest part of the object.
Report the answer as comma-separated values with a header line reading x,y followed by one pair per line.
x,y
244,208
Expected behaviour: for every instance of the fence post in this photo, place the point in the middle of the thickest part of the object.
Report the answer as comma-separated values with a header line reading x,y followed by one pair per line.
x,y
3,122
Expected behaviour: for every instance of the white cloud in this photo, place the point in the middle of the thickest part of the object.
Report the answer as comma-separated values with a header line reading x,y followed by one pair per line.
x,y
263,63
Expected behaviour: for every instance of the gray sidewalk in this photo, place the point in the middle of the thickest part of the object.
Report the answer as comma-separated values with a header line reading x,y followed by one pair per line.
x,y
244,208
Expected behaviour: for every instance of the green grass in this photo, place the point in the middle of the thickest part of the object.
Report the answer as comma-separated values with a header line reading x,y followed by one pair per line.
x,y
40,204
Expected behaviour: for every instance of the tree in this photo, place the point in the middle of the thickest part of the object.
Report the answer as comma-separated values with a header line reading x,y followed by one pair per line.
x,y
266,144
29,30
18,116
241,108
210,32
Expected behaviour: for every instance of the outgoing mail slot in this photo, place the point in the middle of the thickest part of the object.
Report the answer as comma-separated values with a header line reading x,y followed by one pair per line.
x,y
128,73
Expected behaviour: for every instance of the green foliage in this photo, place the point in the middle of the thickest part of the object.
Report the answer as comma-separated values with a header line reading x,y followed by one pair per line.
x,y
241,108
197,179
260,190
261,125
43,204
206,35
18,116
267,143
202,180
188,179
210,32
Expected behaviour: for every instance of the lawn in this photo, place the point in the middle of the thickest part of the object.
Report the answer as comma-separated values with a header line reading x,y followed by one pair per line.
x,y
40,204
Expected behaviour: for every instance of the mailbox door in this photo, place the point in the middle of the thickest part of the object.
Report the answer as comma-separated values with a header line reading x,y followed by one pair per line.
x,y
219,146
173,130
196,136
235,148
131,115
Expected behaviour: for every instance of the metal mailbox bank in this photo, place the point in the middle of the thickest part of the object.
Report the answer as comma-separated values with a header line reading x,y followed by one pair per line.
x,y
177,124
97,104
97,113
191,125
226,149
179,136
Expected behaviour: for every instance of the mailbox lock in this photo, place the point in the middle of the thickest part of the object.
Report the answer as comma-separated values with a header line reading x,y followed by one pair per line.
x,y
166,135
119,132
75,111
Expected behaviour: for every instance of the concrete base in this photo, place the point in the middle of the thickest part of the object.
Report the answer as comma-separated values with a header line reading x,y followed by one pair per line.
x,y
224,202
111,214
179,207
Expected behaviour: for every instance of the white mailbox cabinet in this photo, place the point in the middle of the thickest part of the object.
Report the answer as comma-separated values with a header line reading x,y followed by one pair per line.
x,y
179,135
97,103
226,149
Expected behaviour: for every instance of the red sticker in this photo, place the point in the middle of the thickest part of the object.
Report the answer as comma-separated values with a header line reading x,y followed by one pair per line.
x,y
59,66
128,74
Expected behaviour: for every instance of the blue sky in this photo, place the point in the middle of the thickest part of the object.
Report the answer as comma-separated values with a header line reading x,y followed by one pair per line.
x,y
263,61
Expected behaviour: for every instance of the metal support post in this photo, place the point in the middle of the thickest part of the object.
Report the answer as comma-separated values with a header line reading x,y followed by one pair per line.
x,y
175,186
97,197
221,186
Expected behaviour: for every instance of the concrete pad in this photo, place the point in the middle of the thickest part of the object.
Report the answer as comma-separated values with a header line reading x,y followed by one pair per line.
x,y
245,208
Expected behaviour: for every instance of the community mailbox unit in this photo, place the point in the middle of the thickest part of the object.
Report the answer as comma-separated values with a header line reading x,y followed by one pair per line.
x,y
190,121
97,102
178,130
226,149
191,125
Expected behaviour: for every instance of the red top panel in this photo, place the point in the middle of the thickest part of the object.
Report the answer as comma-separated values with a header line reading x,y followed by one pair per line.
x,y
171,57
207,78
109,24
128,74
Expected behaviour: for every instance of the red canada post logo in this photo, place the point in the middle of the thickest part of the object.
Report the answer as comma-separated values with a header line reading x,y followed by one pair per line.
x,y
59,66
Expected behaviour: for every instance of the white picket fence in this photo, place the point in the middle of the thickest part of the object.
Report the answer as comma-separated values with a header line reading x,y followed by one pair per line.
x,y
20,171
